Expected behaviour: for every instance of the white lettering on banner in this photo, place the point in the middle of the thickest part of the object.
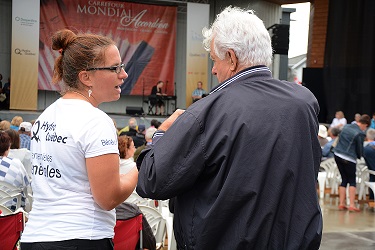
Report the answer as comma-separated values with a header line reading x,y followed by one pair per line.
x,y
97,8
126,21
93,10
103,3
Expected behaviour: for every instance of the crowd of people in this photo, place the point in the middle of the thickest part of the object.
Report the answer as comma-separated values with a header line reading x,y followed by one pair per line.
x,y
347,143
15,162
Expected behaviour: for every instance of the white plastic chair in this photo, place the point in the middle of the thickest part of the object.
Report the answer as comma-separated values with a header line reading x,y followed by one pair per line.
x,y
168,216
322,176
333,177
8,193
157,223
362,175
5,210
138,200
371,184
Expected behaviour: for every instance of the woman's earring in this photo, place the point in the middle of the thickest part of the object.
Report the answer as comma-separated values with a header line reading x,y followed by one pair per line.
x,y
90,92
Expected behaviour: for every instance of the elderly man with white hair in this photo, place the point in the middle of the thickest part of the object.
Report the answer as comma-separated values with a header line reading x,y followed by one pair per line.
x,y
242,163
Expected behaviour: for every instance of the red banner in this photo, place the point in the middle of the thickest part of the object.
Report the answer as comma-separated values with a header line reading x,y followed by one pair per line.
x,y
145,35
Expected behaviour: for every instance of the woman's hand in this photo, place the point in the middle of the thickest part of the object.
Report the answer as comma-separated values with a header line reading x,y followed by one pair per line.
x,y
170,120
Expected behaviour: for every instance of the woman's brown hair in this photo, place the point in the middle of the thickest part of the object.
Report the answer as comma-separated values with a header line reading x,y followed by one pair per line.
x,y
77,53
124,143
4,142
14,138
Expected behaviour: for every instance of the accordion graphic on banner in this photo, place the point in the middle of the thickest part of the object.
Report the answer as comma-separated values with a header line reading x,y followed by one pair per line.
x,y
144,34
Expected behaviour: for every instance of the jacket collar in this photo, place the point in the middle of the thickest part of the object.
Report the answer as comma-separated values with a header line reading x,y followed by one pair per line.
x,y
239,75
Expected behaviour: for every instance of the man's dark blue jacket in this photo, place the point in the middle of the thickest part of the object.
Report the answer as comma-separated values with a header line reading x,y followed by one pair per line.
x,y
242,164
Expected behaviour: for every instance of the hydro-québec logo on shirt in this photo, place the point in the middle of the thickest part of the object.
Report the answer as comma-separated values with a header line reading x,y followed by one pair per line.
x,y
49,129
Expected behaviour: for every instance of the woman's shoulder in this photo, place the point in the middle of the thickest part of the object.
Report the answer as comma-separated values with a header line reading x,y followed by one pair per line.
x,y
10,161
20,153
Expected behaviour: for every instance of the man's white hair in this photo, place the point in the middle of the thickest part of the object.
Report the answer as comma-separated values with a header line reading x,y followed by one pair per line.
x,y
244,33
150,132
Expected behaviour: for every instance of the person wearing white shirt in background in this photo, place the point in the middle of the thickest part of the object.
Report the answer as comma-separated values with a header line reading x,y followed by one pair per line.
x,y
339,121
322,135
126,149
12,172
22,154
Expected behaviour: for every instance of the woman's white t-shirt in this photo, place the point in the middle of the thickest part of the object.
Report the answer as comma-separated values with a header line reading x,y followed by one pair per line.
x,y
64,135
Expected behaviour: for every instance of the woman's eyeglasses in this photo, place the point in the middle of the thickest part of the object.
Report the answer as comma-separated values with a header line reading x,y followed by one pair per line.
x,y
117,68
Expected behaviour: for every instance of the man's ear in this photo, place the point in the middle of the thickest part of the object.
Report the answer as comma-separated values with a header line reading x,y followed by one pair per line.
x,y
84,78
232,60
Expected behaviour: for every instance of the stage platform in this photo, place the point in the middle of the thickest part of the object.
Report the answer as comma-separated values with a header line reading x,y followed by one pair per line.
x,y
121,119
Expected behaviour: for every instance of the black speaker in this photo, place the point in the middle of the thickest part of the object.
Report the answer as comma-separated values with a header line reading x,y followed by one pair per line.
x,y
134,111
313,79
280,39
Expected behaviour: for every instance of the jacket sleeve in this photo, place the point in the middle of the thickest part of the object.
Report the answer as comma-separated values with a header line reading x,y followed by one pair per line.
x,y
174,162
359,146
326,149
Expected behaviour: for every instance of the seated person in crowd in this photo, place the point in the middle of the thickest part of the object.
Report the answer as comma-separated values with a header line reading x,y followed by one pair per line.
x,y
339,121
199,92
373,121
4,125
369,155
322,135
22,154
12,171
15,123
155,123
139,138
126,149
25,134
326,151
132,123
137,135
148,136
357,116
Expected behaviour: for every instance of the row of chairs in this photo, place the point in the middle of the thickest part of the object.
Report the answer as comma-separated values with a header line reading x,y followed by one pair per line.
x,y
11,196
12,222
127,232
330,178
